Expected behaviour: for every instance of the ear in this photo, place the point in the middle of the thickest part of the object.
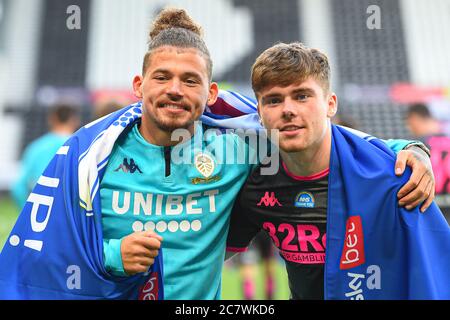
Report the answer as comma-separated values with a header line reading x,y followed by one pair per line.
x,y
213,93
332,105
137,86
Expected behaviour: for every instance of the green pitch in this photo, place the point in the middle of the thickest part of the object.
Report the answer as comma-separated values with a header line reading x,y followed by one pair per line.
x,y
8,216
231,283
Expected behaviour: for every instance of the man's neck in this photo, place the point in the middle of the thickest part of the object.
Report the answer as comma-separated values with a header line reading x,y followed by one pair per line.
x,y
310,161
63,131
158,137
433,128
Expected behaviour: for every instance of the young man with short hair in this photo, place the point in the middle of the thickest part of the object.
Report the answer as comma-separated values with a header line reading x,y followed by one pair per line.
x,y
331,208
428,129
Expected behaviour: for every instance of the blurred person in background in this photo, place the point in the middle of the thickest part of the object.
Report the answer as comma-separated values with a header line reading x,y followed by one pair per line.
x,y
109,102
106,107
421,123
63,120
428,129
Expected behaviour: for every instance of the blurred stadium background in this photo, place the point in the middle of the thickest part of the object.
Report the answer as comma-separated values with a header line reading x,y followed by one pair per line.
x,y
377,73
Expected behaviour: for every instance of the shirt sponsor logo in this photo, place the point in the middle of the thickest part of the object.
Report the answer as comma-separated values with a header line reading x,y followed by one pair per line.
x,y
130,167
304,200
300,243
159,204
304,258
269,199
353,252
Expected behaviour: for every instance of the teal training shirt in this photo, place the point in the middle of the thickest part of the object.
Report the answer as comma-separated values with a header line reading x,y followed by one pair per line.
x,y
398,145
35,159
187,204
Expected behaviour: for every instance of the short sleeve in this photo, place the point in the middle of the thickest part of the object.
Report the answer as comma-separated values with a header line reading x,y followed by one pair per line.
x,y
242,229
397,145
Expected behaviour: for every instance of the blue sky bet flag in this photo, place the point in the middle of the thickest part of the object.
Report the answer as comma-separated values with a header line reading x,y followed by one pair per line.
x,y
376,249
55,250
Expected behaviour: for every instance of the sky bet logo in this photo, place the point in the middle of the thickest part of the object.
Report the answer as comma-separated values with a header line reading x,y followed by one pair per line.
x,y
149,291
353,252
304,200
353,256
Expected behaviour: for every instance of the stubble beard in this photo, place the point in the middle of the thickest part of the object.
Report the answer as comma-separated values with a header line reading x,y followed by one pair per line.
x,y
170,127
171,124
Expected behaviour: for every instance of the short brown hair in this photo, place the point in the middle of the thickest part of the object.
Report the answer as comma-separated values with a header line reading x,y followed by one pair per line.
x,y
284,64
419,109
64,113
174,27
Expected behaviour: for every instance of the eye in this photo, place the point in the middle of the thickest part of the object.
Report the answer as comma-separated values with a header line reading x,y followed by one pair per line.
x,y
302,97
272,101
191,81
160,77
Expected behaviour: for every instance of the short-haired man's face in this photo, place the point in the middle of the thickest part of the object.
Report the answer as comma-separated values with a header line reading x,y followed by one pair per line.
x,y
415,124
299,111
175,88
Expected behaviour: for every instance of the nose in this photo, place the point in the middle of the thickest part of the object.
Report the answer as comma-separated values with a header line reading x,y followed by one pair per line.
x,y
289,108
174,88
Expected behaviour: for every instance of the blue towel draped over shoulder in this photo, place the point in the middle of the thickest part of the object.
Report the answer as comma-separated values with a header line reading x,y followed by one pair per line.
x,y
55,250
376,249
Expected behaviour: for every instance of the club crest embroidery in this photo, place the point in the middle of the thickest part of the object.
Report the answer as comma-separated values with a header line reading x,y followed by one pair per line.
x,y
204,163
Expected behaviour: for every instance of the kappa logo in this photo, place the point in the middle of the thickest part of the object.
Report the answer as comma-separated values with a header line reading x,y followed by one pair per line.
x,y
269,199
128,167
